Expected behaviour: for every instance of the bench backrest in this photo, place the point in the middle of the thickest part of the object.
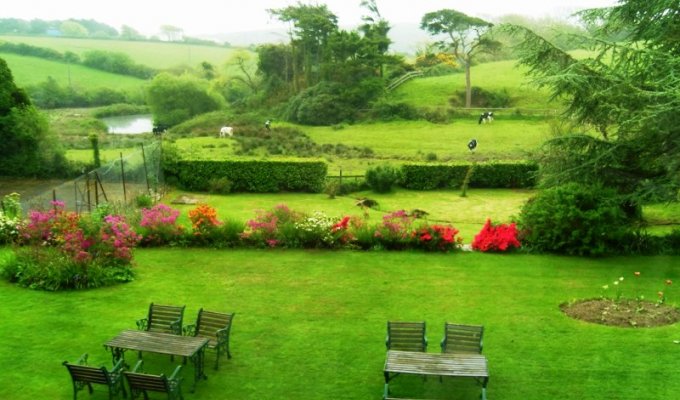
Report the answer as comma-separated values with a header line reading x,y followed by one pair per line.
x,y
141,382
209,322
463,338
162,317
88,374
407,336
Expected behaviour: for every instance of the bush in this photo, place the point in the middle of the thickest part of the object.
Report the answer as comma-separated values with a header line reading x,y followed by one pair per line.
x,y
486,175
158,226
483,98
496,238
64,250
219,185
574,219
251,176
47,268
381,178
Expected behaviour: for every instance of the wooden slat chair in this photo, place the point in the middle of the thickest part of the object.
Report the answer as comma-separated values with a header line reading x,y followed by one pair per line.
x,y
167,319
140,383
460,338
407,336
83,376
214,326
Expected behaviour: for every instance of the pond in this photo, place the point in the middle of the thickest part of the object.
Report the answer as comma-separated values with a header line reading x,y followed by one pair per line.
x,y
129,124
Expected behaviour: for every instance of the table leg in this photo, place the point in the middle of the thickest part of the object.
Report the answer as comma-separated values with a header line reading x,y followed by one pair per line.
x,y
484,382
198,360
117,354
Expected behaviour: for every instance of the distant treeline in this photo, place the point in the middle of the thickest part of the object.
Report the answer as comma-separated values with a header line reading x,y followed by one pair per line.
x,y
88,28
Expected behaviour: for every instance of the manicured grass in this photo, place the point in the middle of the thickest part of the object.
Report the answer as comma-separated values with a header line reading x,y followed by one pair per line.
x,y
33,70
467,214
311,324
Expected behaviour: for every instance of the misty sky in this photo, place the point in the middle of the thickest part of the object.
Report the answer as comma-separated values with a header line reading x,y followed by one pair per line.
x,y
198,17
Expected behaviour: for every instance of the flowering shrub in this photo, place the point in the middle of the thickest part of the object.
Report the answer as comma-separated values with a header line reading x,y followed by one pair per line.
x,y
500,237
9,228
272,228
203,220
341,232
159,225
395,230
315,231
65,250
436,238
117,239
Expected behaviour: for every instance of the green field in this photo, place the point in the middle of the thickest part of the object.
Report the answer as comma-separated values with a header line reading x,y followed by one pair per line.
x,y
493,76
33,70
311,324
159,55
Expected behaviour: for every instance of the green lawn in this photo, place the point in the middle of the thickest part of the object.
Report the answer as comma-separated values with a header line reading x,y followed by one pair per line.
x,y
311,324
467,214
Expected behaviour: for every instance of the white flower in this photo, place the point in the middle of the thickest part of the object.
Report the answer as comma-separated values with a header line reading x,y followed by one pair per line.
x,y
616,282
621,278
605,287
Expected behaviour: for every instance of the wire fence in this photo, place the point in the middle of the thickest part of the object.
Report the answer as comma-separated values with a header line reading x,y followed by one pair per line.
x,y
121,181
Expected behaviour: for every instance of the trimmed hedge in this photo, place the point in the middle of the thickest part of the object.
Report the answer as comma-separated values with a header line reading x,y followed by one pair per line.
x,y
486,175
252,176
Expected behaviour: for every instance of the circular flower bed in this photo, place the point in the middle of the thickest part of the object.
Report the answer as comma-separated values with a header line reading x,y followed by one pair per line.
x,y
622,313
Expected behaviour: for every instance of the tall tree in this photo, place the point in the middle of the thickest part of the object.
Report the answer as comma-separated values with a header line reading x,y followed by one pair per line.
x,y
311,27
465,37
629,92
173,99
27,148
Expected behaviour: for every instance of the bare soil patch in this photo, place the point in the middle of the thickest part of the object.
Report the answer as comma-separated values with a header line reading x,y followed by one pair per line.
x,y
623,313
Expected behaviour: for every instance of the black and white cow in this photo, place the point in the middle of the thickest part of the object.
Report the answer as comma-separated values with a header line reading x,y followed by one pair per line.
x,y
486,117
472,144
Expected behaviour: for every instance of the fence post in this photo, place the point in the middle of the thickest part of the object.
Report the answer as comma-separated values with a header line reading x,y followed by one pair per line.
x,y
340,184
122,174
54,200
89,198
146,173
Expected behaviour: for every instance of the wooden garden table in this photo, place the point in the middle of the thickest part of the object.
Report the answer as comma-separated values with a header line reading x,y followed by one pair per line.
x,y
437,364
189,347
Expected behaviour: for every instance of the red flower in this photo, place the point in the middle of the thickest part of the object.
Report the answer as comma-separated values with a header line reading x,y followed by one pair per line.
x,y
496,237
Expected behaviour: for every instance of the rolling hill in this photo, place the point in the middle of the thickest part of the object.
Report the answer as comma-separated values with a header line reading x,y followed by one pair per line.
x,y
159,55
32,70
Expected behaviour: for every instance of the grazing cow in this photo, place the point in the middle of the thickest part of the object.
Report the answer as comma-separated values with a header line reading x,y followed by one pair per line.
x,y
486,117
268,124
158,129
226,131
472,144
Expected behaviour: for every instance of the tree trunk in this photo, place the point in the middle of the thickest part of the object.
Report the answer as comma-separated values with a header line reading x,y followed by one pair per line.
x,y
468,86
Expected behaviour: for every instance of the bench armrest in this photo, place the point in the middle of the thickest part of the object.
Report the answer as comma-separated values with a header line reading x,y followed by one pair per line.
x,y
189,330
222,335
176,327
175,375
138,367
82,360
142,324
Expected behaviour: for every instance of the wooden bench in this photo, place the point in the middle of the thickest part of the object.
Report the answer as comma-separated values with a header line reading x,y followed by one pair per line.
x,y
161,318
458,338
83,376
216,327
140,383
407,336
